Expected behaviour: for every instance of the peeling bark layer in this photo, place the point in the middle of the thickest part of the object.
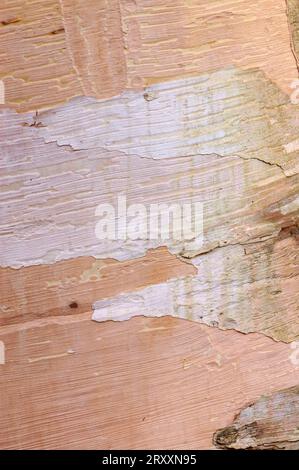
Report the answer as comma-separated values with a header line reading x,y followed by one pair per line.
x,y
269,423
228,112
70,287
93,150
247,288
247,272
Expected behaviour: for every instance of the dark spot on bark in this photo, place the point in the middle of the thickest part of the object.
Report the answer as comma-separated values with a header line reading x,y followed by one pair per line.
x,y
57,31
10,21
73,305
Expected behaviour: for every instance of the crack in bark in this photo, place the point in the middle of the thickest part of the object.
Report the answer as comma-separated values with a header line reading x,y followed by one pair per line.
x,y
224,245
217,155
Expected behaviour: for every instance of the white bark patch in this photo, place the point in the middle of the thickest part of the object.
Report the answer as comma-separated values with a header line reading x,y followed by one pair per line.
x,y
50,191
248,288
227,112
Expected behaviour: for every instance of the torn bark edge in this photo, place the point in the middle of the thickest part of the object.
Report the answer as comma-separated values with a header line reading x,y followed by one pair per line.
x,y
225,438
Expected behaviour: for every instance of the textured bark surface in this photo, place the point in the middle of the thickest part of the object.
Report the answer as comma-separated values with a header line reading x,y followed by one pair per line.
x,y
98,48
147,383
69,287
293,19
250,287
269,423
163,101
